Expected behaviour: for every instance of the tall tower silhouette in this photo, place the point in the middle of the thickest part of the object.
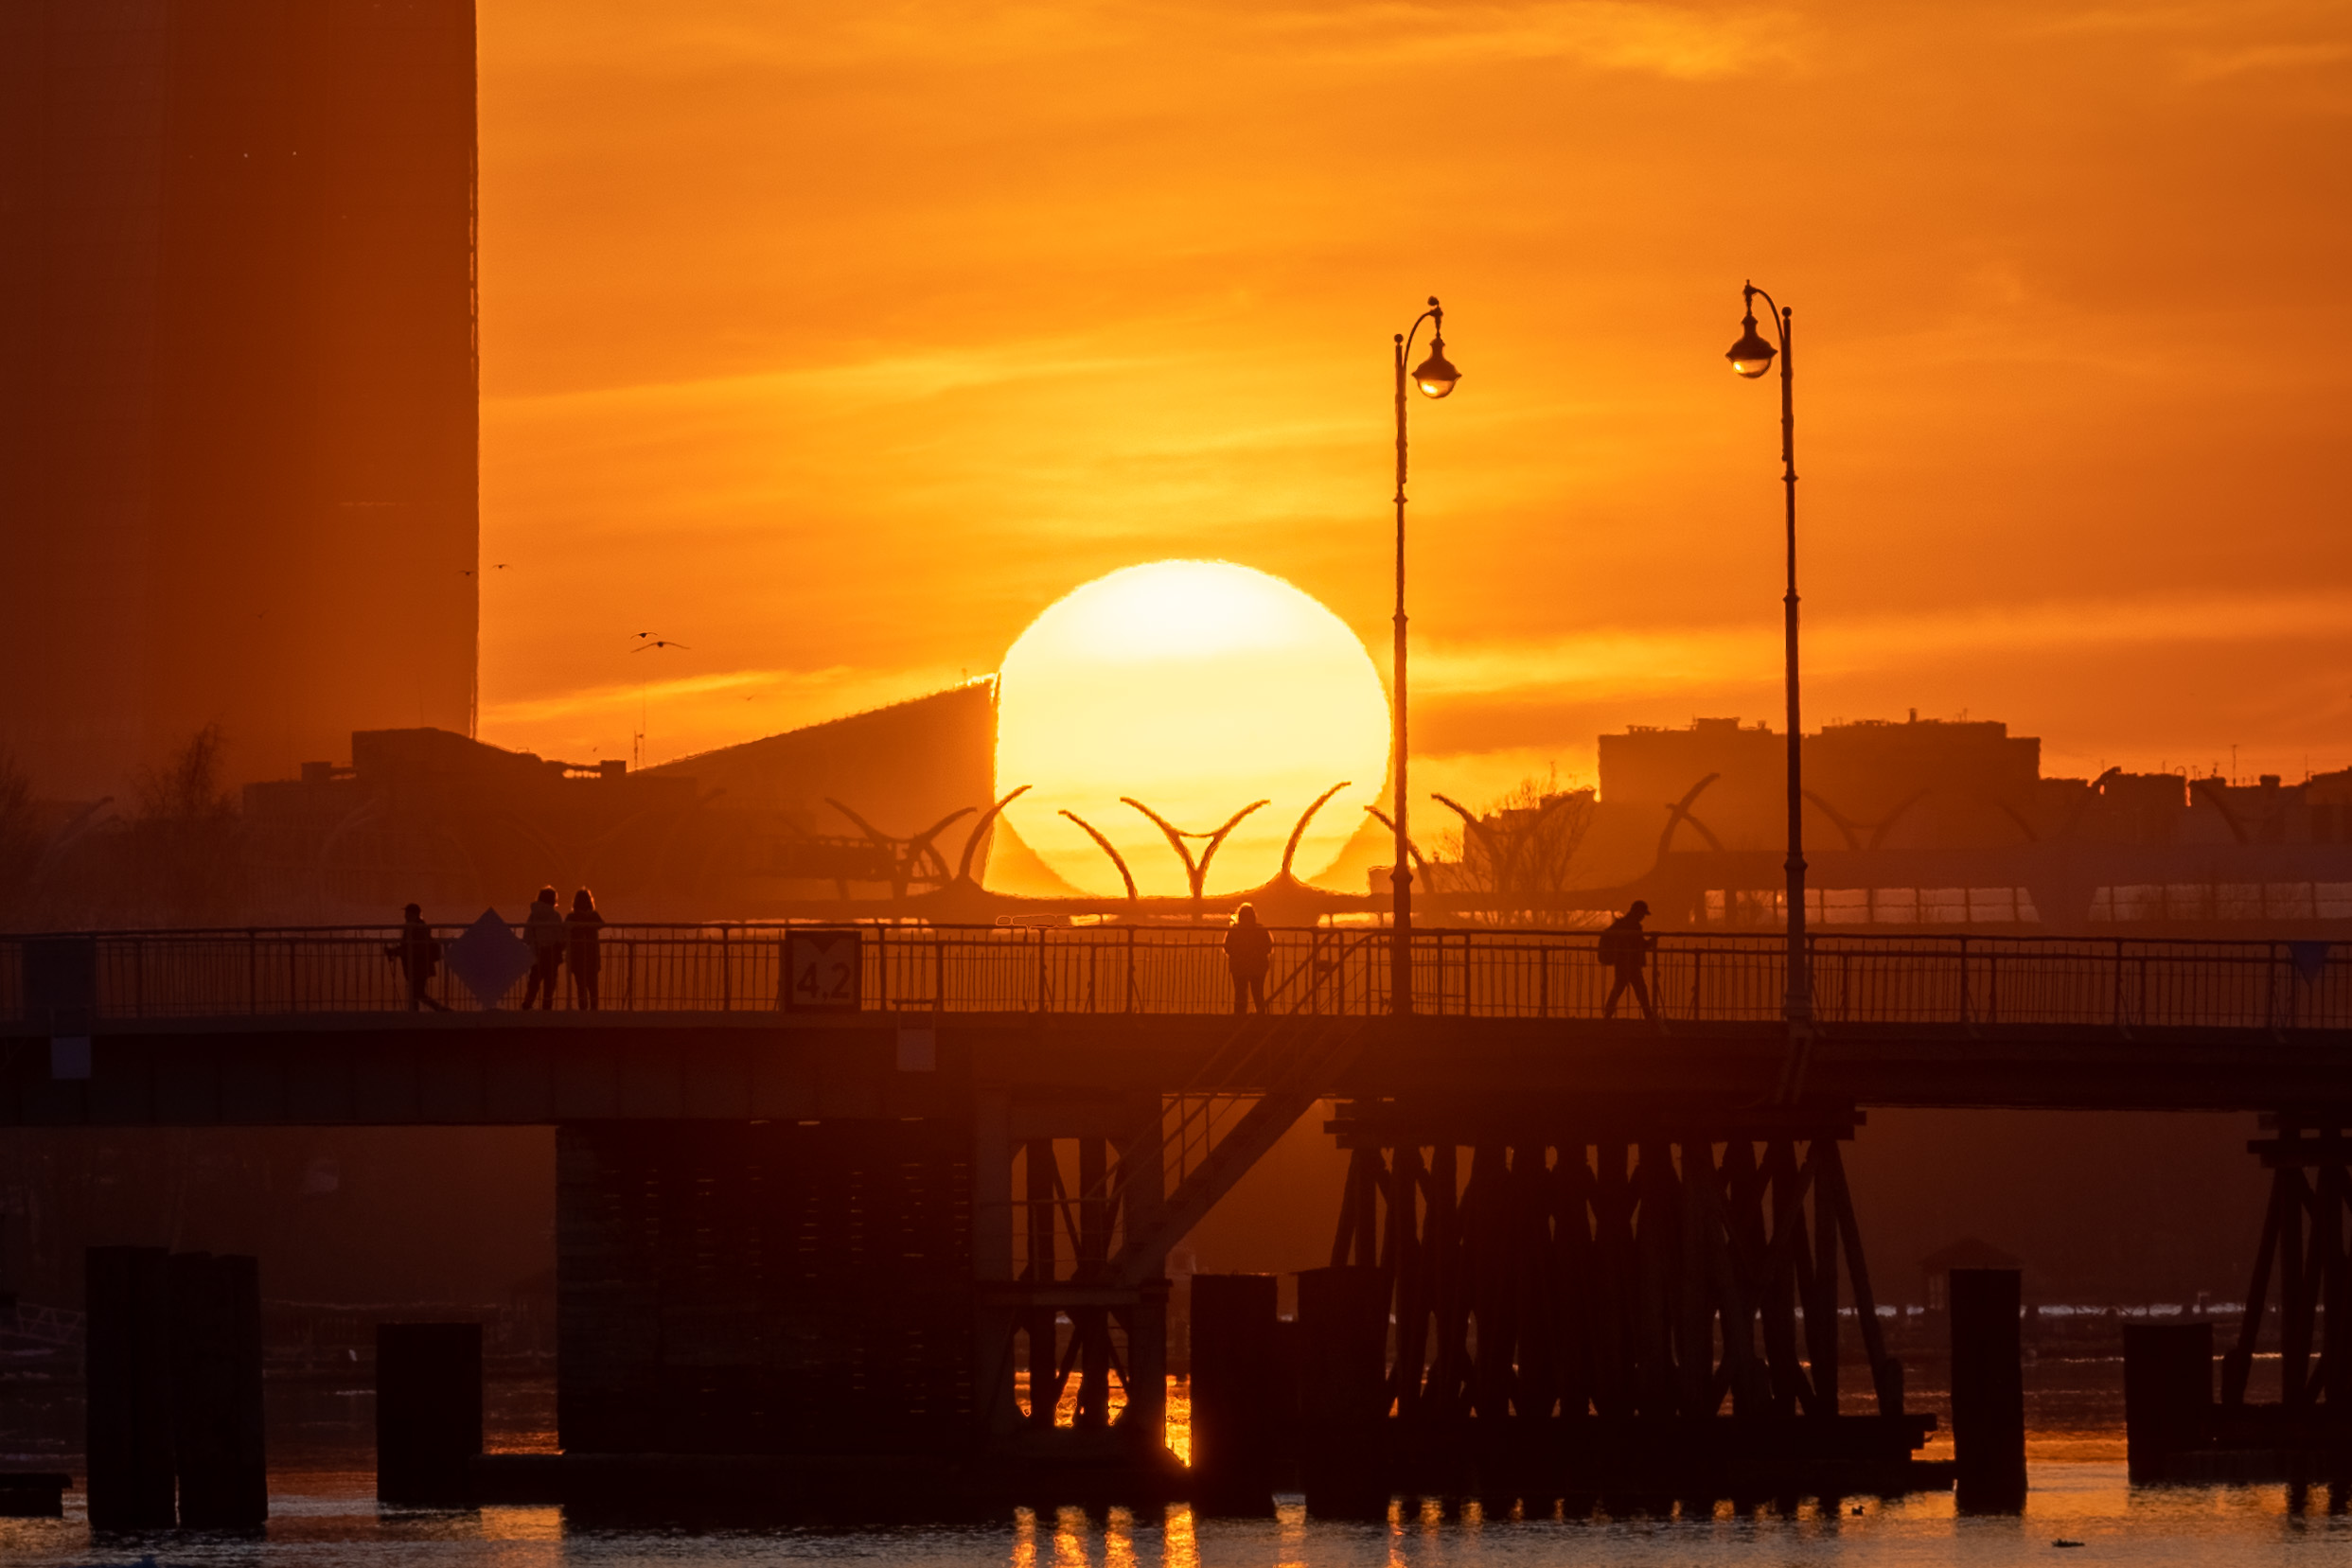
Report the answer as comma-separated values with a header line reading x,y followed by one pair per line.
x,y
238,448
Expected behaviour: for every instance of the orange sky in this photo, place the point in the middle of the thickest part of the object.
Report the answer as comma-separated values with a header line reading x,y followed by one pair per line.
x,y
837,340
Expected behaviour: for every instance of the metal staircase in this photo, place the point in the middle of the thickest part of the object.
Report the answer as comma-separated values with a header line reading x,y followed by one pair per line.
x,y
1209,1134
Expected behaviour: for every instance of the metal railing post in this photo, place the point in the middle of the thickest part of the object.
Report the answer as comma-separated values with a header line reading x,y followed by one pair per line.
x,y
1964,1009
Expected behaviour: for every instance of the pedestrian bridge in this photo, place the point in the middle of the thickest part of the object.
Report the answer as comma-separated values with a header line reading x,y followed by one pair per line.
x,y
109,978
759,1021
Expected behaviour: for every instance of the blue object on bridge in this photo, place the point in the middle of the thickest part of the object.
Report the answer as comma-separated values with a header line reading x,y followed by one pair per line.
x,y
489,958
2310,959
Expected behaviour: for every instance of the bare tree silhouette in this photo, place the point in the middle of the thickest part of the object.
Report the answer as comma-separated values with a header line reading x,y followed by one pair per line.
x,y
1523,845
182,860
21,839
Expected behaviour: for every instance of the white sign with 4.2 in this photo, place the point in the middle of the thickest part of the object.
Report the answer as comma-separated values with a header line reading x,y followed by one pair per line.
x,y
821,971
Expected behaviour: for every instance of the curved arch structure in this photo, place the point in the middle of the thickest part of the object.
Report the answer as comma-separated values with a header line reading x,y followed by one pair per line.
x,y
2089,798
1290,850
1679,813
1507,856
907,855
980,829
2211,790
1412,848
1196,871
1105,844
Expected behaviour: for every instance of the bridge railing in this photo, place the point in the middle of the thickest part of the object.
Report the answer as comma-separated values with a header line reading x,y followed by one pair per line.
x,y
1474,973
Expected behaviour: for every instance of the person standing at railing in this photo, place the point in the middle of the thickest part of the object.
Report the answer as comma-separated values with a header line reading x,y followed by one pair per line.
x,y
584,950
1625,949
544,929
419,953
1248,952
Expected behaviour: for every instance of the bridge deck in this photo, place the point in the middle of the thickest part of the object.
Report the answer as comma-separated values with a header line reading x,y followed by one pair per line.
x,y
313,1026
512,1069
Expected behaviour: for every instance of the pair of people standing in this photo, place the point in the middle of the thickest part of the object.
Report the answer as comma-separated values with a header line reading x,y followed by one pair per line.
x,y
558,940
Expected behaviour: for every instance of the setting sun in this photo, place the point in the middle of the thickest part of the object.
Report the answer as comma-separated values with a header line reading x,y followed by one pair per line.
x,y
1196,687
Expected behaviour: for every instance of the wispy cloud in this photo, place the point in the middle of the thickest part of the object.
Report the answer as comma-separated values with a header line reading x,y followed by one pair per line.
x,y
1682,43
2213,64
1631,660
903,377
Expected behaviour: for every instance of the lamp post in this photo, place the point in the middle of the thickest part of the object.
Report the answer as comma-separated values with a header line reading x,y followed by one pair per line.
x,y
1435,376
1752,356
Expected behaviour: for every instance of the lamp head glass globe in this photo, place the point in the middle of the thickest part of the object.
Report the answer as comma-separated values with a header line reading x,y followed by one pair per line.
x,y
1435,375
1751,356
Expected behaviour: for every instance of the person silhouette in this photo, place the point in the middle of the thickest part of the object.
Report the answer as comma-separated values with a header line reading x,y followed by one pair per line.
x,y
1248,952
545,932
1625,949
583,950
419,953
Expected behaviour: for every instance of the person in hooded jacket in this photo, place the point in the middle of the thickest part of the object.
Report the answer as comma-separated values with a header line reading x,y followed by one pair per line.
x,y
419,953
543,928
584,949
1248,952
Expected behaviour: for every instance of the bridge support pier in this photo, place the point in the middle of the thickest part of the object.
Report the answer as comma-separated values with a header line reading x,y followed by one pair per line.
x,y
1580,1300
766,1287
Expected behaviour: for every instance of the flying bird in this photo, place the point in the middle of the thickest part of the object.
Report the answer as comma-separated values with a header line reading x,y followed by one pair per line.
x,y
653,642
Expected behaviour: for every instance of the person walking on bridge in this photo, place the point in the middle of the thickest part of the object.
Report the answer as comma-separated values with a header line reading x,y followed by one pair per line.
x,y
1248,952
1625,950
584,951
545,932
419,953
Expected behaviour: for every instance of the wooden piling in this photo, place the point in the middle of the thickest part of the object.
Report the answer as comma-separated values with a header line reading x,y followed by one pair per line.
x,y
1238,1422
1343,1391
216,1392
1042,1188
428,1411
128,1376
2167,1393
1987,1390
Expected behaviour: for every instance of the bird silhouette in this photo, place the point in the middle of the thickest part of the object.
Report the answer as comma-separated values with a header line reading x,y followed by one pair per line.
x,y
646,640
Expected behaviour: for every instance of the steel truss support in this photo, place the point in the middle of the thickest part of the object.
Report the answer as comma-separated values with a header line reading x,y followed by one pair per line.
x,y
1615,1271
2304,1244
1075,1322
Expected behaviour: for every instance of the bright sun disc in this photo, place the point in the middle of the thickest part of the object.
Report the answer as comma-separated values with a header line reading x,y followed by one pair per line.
x,y
1196,687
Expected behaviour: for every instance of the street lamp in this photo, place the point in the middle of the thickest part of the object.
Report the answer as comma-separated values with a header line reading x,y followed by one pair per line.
x,y
1751,357
1435,376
